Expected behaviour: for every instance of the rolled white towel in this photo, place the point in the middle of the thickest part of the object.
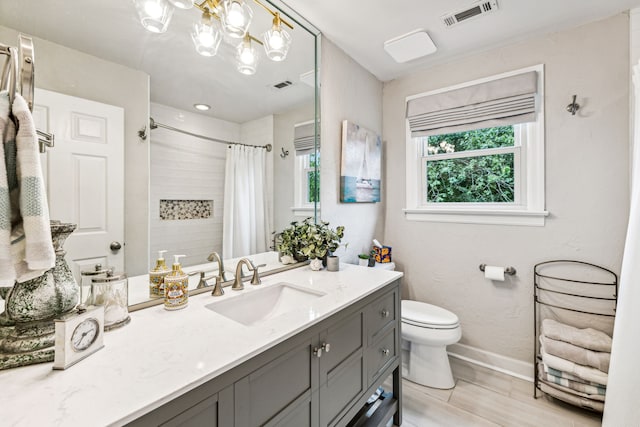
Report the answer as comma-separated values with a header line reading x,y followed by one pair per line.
x,y
584,372
596,359
589,338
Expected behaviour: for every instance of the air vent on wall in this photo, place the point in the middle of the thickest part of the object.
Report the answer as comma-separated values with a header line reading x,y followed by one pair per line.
x,y
283,84
476,9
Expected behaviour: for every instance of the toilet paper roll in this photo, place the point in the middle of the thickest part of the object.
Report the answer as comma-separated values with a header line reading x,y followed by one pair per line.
x,y
492,272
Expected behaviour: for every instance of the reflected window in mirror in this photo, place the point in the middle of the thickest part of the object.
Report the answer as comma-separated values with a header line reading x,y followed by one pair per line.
x,y
307,166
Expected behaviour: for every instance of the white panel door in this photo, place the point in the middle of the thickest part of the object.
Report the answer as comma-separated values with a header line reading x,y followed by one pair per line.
x,y
84,175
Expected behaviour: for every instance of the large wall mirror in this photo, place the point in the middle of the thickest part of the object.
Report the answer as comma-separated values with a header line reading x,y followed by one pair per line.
x,y
186,185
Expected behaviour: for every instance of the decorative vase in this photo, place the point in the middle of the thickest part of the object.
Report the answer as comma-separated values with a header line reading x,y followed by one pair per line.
x,y
315,264
26,325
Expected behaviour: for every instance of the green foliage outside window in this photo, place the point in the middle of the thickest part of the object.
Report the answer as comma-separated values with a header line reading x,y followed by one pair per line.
x,y
313,179
480,179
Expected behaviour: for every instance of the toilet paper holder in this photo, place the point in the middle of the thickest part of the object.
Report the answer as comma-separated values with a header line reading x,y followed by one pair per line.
x,y
508,270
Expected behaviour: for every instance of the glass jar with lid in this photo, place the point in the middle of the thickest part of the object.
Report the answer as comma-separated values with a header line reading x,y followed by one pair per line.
x,y
110,291
86,277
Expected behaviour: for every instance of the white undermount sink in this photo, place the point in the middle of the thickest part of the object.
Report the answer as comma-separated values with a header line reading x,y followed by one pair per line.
x,y
266,303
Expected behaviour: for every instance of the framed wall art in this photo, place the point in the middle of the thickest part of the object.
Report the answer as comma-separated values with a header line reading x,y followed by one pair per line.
x,y
361,164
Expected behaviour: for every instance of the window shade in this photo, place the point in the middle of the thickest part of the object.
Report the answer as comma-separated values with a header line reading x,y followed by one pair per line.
x,y
500,102
303,138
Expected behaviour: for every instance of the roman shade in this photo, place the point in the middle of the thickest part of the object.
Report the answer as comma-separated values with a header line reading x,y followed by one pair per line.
x,y
303,138
501,102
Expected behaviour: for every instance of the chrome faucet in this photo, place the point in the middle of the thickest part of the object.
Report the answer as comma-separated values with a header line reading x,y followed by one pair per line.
x,y
221,273
237,281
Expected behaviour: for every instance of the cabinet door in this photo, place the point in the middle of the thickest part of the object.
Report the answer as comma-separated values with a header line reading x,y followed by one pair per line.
x,y
202,414
268,394
342,377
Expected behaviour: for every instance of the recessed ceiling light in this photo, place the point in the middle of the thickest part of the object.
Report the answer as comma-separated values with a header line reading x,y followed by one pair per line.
x,y
201,107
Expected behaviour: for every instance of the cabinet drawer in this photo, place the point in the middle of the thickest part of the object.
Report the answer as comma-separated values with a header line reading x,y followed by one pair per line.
x,y
381,314
380,354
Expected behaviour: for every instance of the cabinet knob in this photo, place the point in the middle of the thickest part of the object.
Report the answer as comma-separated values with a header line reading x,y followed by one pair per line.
x,y
317,352
385,351
326,347
384,313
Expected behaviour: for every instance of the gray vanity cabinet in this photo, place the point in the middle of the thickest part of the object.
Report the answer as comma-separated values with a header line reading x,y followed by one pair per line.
x,y
321,377
342,376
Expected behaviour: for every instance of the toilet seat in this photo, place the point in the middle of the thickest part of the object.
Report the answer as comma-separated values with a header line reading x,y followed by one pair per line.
x,y
429,316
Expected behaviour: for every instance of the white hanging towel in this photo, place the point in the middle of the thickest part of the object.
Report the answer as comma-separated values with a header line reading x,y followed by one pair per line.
x,y
31,248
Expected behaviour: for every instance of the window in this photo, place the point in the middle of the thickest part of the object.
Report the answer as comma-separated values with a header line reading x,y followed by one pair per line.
x,y
475,152
307,169
307,191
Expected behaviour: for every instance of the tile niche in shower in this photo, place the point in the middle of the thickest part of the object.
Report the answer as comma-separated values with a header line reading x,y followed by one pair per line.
x,y
185,209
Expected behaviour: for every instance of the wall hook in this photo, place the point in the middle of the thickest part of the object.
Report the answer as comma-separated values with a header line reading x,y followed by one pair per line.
x,y
573,107
142,133
284,153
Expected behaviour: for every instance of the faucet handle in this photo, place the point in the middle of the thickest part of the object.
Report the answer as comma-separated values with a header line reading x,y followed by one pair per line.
x,y
217,288
255,280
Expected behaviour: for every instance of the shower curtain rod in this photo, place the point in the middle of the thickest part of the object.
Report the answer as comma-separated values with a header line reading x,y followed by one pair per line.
x,y
154,125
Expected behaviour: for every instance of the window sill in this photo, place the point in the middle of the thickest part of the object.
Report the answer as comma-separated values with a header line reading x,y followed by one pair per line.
x,y
302,211
476,216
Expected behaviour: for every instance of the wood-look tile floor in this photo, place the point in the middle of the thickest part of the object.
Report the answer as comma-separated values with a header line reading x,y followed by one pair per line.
x,y
483,397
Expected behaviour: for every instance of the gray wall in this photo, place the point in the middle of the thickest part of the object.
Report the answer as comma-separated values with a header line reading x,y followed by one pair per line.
x,y
586,188
72,72
348,92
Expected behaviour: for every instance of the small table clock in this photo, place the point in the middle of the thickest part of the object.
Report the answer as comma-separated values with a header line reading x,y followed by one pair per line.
x,y
78,335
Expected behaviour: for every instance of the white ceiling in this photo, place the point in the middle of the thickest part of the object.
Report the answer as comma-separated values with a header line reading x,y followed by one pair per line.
x,y
180,77
360,27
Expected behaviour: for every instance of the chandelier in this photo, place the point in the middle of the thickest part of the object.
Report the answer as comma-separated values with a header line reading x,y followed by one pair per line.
x,y
221,19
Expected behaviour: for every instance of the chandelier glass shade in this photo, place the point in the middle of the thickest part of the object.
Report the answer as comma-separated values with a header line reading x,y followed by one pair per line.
x,y
276,41
154,14
247,57
206,35
235,17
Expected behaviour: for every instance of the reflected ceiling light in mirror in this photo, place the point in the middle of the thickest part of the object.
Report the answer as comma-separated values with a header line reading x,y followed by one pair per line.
x,y
201,107
247,56
154,14
235,17
228,18
277,41
206,35
182,4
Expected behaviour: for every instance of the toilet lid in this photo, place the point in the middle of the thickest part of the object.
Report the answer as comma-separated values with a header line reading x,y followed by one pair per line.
x,y
427,314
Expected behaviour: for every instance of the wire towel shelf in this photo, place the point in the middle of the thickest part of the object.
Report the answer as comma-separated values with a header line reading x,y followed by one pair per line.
x,y
583,295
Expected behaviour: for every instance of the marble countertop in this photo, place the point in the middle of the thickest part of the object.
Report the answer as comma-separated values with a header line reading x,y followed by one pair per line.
x,y
162,354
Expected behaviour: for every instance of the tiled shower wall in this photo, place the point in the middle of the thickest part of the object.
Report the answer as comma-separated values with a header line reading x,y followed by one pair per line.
x,y
187,169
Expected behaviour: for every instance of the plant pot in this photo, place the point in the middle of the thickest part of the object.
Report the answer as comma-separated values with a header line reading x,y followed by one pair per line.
x,y
363,262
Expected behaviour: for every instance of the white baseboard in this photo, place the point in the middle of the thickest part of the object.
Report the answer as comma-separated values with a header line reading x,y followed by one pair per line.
x,y
506,365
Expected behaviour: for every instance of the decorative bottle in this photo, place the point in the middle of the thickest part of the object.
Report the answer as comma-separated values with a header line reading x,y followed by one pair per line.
x,y
176,287
156,277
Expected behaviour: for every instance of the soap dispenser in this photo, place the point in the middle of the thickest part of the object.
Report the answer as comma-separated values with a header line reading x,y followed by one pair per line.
x,y
176,287
156,277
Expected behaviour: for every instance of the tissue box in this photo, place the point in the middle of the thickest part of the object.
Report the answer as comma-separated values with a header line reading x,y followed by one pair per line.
x,y
382,254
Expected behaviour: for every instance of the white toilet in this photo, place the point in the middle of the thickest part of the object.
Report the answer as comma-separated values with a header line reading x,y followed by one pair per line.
x,y
426,332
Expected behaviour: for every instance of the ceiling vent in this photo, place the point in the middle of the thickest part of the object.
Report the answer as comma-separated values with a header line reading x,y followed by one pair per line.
x,y
283,84
477,9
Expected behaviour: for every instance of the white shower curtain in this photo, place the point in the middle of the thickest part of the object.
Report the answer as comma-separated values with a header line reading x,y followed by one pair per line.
x,y
621,406
246,222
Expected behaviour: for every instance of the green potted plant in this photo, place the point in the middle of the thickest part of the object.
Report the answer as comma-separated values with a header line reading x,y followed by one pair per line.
x,y
363,260
308,240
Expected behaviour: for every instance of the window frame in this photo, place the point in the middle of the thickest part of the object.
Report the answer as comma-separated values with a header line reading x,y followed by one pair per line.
x,y
302,207
528,210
